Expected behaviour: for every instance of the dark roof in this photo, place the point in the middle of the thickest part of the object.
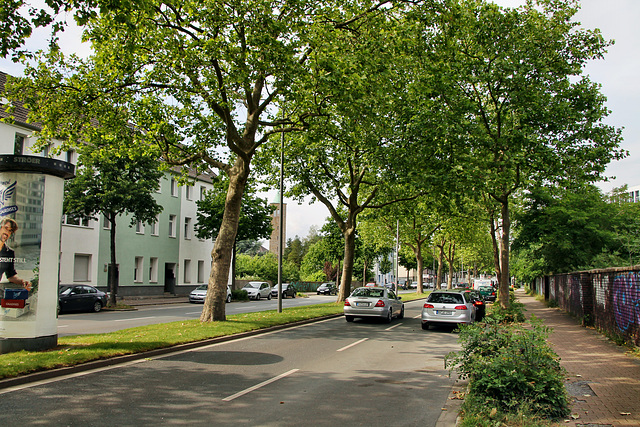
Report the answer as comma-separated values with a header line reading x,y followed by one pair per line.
x,y
19,113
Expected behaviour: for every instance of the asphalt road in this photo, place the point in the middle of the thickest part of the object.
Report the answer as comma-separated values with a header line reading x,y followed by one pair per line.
x,y
329,373
109,321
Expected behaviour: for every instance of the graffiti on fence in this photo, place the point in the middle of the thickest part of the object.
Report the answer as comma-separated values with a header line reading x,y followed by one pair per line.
x,y
626,300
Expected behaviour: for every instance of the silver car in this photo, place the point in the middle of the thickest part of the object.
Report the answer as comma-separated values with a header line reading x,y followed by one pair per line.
x,y
257,290
448,307
200,293
373,302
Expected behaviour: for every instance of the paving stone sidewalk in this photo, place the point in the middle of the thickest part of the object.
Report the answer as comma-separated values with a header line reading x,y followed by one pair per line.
x,y
603,381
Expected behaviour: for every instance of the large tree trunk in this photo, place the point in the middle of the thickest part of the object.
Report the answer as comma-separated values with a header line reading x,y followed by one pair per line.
x,y
439,275
113,271
347,267
503,294
496,249
420,266
214,303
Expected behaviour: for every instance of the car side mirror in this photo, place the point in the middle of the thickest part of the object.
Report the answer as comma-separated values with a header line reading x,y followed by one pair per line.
x,y
398,298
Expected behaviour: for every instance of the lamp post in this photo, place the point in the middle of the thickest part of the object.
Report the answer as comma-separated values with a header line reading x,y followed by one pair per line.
x,y
281,219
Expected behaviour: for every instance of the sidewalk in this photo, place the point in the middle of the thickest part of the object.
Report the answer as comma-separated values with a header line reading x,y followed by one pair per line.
x,y
602,380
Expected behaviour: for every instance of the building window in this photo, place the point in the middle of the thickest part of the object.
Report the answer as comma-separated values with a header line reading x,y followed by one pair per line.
x,y
70,156
46,151
106,224
139,227
174,188
137,270
187,271
203,192
189,192
187,228
154,226
153,270
81,267
18,145
172,226
201,271
78,220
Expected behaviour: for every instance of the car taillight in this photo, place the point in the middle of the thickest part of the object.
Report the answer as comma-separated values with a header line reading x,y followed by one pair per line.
x,y
346,303
427,305
380,303
478,303
461,307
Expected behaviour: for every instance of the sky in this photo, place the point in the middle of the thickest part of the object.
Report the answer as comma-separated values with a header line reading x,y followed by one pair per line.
x,y
618,73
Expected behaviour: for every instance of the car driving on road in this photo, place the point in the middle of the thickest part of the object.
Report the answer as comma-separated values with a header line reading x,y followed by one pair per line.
x,y
327,288
448,307
81,298
378,302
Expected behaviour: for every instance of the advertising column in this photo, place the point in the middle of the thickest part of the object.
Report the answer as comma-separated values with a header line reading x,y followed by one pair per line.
x,y
31,195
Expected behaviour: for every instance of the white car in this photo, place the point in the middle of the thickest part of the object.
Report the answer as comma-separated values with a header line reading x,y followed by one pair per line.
x,y
373,302
257,290
448,307
200,293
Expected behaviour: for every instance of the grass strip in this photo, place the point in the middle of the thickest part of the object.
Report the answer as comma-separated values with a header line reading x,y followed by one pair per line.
x,y
77,349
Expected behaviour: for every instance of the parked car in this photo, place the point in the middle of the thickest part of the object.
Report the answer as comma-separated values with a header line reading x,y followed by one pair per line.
x,y
287,290
478,301
200,293
448,307
487,292
327,288
81,298
373,302
257,290
370,285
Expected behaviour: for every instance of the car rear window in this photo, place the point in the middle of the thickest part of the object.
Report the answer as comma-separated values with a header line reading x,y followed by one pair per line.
x,y
366,292
446,298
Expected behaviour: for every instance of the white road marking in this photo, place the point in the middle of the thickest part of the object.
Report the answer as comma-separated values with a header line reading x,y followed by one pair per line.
x,y
351,345
393,327
257,386
134,318
418,316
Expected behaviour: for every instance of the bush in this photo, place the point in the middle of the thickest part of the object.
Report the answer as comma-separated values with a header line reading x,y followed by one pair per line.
x,y
511,370
239,295
515,312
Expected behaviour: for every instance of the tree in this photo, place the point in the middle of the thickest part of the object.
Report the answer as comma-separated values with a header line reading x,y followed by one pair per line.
x,y
198,80
511,80
112,186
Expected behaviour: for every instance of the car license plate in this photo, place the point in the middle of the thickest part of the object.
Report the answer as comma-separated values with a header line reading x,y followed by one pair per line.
x,y
445,312
362,304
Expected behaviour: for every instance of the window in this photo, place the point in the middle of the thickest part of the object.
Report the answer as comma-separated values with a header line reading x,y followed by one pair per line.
x,y
106,224
174,188
202,192
153,270
139,227
80,221
81,267
172,226
187,271
137,269
70,156
46,151
189,192
18,144
187,228
201,271
154,226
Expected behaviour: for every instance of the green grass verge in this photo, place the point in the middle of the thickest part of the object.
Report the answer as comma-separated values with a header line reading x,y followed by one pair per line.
x,y
77,349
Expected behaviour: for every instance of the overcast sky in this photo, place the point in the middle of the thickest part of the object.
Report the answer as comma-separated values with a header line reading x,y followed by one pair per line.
x,y
618,74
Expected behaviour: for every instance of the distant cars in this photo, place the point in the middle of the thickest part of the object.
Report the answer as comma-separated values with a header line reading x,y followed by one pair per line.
x,y
81,298
200,293
448,307
327,288
377,302
287,290
257,290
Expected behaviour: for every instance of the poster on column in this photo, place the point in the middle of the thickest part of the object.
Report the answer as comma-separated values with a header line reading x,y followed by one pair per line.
x,y
21,222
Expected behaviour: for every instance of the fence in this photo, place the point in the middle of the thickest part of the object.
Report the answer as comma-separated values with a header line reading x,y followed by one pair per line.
x,y
608,299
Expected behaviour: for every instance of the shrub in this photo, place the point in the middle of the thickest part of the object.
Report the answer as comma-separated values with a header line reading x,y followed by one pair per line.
x,y
239,295
515,312
511,370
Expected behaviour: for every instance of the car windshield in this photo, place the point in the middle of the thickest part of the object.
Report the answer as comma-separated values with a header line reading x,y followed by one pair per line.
x,y
65,291
445,298
485,288
201,288
368,292
252,285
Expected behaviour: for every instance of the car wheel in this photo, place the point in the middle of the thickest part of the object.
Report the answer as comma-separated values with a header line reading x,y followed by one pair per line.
x,y
293,295
97,306
349,318
425,326
269,296
258,297
389,316
228,299
401,315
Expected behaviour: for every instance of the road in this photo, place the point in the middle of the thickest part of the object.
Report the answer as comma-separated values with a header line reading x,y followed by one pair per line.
x,y
109,321
329,373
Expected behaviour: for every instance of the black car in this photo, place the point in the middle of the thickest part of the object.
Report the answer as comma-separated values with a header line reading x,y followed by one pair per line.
x,y
287,290
327,288
81,298
478,300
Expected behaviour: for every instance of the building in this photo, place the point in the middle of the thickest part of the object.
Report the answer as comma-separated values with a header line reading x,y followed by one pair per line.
x,y
163,257
634,193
